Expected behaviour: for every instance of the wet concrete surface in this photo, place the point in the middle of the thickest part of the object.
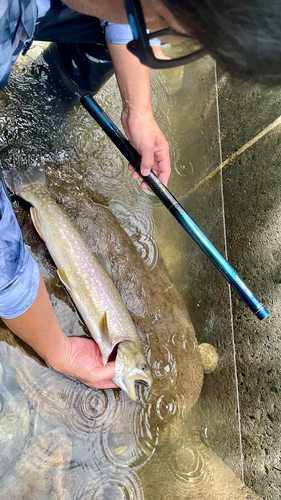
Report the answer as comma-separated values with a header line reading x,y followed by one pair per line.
x,y
251,196
193,116
207,297
245,111
252,186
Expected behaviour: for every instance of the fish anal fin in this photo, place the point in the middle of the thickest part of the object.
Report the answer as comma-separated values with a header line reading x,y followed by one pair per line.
x,y
104,329
35,216
62,276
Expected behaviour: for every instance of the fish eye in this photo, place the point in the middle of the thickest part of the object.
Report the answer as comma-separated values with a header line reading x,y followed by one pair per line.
x,y
144,367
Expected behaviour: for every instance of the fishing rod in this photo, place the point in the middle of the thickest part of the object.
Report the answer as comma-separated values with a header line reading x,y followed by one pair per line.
x,y
171,203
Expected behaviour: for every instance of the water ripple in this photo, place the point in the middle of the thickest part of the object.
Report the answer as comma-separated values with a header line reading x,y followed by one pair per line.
x,y
146,244
118,487
108,486
189,471
166,408
62,401
132,442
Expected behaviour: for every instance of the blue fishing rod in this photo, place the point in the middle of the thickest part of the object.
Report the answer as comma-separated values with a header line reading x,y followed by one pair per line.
x,y
170,202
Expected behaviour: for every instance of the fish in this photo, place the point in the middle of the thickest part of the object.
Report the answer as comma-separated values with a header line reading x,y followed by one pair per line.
x,y
90,287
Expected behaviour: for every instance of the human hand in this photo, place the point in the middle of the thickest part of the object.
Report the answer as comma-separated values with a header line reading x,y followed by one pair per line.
x,y
76,357
146,137
82,360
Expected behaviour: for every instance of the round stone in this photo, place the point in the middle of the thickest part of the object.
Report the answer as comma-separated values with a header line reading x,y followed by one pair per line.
x,y
209,357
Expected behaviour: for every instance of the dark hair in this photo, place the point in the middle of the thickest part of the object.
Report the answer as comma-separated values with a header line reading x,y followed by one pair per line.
x,y
244,36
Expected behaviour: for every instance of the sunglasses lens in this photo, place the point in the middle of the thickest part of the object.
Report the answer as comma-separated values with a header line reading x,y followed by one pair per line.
x,y
175,47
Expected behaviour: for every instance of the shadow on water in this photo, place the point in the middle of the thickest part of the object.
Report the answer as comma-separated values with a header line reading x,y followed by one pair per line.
x,y
60,439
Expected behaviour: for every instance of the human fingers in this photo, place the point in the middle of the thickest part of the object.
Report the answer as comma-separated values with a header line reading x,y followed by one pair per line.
x,y
106,384
102,374
147,158
162,160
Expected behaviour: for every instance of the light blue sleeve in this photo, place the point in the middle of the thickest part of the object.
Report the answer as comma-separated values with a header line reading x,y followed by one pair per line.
x,y
19,273
17,25
121,33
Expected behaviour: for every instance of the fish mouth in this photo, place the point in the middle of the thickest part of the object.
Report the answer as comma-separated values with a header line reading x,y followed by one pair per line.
x,y
140,377
131,369
133,377
142,382
126,379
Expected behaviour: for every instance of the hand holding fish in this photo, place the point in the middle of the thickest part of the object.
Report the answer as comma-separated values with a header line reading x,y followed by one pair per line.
x,y
83,361
75,357
95,297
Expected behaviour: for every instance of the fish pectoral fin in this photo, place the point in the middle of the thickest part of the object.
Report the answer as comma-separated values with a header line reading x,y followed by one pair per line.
x,y
35,216
62,276
103,326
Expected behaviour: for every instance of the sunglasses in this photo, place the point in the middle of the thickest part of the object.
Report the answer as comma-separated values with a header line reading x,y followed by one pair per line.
x,y
165,48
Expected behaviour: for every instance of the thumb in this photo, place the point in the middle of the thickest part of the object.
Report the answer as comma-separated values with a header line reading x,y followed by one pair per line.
x,y
103,373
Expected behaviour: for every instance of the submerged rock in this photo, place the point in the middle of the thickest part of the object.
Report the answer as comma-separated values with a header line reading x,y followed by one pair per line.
x,y
14,426
42,472
209,357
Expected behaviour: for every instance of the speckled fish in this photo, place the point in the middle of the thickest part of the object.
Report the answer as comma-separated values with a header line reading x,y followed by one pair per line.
x,y
89,286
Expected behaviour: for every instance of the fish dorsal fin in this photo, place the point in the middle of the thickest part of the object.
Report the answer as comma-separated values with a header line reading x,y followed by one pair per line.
x,y
104,329
62,276
35,216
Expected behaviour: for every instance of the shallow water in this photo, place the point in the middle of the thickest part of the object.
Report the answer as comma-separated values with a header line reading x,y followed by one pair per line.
x,y
83,444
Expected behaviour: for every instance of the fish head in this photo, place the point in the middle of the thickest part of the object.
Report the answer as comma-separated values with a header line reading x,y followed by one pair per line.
x,y
131,368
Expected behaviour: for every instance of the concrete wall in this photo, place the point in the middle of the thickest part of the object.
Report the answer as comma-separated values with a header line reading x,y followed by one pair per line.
x,y
241,196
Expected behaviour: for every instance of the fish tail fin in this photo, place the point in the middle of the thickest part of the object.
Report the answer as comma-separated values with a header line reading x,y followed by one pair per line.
x,y
15,179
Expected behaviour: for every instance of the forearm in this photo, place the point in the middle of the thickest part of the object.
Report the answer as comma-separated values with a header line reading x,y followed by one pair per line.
x,y
137,117
39,328
133,79
113,10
